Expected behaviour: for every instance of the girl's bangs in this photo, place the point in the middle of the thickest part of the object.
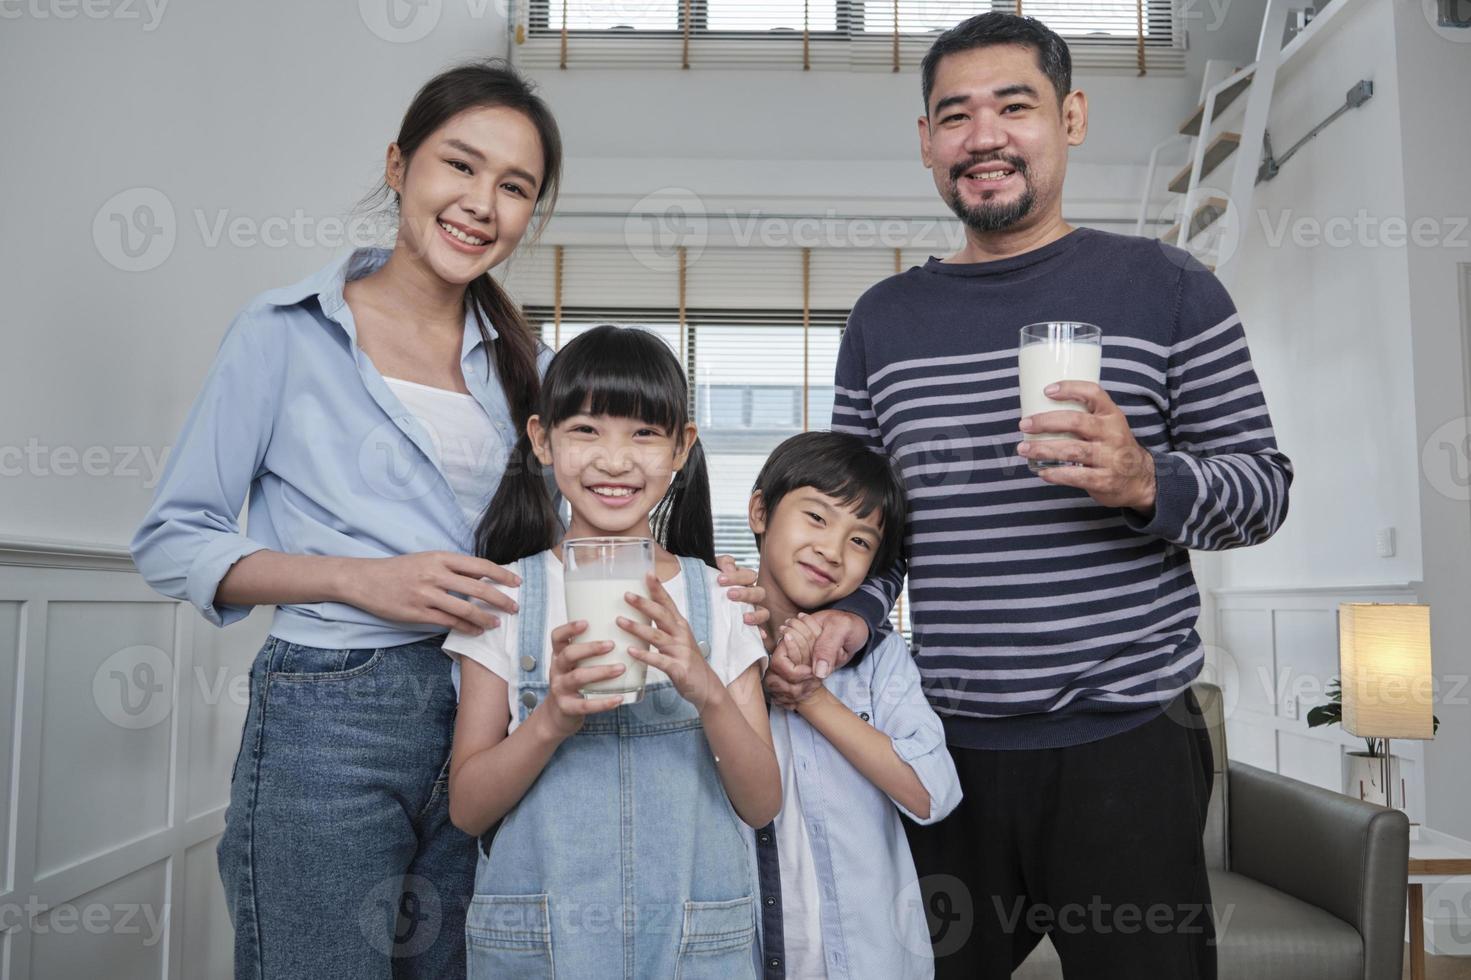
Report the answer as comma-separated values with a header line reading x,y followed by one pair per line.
x,y
619,372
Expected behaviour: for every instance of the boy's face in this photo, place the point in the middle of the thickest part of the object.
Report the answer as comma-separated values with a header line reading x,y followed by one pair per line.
x,y
815,548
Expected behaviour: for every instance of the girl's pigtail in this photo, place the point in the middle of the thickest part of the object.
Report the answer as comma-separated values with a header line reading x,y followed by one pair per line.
x,y
520,520
682,521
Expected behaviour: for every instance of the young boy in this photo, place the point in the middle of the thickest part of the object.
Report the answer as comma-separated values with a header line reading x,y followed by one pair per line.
x,y
839,893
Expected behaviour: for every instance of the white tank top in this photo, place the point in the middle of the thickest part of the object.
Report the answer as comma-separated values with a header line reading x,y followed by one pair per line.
x,y
465,439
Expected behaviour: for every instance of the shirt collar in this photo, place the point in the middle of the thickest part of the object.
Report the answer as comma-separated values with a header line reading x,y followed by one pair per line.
x,y
327,285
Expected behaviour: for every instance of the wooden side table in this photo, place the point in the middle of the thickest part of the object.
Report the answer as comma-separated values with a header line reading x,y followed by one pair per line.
x,y
1434,858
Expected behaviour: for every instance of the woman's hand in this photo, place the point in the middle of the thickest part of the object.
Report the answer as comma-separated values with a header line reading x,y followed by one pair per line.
x,y
564,705
678,653
417,589
746,589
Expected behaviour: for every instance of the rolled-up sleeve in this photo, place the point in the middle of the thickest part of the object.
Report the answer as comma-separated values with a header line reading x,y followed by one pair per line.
x,y
901,711
191,535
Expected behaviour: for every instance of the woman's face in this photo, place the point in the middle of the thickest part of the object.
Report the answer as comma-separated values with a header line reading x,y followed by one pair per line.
x,y
467,194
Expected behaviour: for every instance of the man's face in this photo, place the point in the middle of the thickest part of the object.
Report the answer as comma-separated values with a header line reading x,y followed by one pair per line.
x,y
996,138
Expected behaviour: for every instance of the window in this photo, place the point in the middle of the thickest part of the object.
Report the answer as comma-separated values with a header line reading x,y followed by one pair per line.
x,y
844,34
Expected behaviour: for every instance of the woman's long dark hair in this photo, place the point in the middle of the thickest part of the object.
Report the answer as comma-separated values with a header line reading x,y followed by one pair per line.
x,y
618,371
475,85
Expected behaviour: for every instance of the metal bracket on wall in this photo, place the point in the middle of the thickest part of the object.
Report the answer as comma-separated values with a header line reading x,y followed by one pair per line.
x,y
1361,92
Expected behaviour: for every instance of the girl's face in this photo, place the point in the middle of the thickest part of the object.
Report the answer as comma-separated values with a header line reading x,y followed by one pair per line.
x,y
612,470
467,195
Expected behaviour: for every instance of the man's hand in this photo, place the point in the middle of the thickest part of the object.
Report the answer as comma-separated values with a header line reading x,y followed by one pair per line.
x,y
1113,468
791,659
746,590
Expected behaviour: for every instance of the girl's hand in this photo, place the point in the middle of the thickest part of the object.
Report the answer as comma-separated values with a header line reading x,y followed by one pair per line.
x,y
746,589
416,589
564,706
789,682
678,653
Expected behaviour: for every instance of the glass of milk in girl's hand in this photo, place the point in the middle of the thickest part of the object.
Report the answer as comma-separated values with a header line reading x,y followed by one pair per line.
x,y
1053,352
597,571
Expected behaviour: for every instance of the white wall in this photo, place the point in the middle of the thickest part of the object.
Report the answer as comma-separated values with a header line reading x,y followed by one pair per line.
x,y
1363,350
1435,74
1328,325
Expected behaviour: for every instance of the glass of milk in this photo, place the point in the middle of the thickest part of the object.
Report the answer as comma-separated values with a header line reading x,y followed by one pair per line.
x,y
1053,352
597,571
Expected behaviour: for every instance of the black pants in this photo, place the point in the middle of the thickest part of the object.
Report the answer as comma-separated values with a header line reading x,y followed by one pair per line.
x,y
1098,845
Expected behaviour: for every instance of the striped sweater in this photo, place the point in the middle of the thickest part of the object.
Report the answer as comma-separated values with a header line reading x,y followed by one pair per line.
x,y
1042,618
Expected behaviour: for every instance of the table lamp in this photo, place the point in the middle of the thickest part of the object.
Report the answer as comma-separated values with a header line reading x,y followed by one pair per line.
x,y
1384,670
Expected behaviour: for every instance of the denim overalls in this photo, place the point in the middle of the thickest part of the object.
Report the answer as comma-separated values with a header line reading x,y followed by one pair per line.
x,y
625,858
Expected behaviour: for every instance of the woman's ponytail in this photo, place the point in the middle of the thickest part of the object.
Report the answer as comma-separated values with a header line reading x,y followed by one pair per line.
x,y
682,521
520,520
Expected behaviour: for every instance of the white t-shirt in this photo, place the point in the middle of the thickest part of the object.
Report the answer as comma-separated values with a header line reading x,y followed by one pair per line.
x,y
801,905
734,645
464,439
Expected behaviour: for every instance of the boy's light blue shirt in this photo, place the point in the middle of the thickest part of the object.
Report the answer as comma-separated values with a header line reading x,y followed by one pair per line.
x,y
873,920
294,412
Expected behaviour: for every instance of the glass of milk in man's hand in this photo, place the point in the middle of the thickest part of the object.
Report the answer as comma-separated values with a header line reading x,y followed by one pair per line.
x,y
597,571
1052,352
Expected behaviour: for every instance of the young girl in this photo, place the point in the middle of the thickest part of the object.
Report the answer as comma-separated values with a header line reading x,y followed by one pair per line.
x,y
620,849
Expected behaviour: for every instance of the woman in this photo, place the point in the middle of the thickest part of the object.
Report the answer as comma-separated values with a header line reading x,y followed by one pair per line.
x,y
369,411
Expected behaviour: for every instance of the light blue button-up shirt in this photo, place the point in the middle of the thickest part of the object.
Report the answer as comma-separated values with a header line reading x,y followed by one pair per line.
x,y
873,919
295,413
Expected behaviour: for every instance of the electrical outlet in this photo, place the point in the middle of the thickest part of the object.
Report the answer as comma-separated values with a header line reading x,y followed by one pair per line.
x,y
1384,542
1289,708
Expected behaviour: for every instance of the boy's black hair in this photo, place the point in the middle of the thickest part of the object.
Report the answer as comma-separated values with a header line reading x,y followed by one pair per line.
x,y
999,27
618,371
841,466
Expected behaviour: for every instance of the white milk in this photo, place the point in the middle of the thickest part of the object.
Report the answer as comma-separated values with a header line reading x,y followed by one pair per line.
x,y
1048,363
600,602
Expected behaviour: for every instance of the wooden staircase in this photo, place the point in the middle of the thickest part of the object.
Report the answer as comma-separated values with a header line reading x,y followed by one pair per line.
x,y
1225,136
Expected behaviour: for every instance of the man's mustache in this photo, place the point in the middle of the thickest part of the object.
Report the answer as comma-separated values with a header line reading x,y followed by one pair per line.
x,y
1015,163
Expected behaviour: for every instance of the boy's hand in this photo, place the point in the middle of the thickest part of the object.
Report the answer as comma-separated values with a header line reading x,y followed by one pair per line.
x,y
842,635
789,680
746,589
677,654
565,707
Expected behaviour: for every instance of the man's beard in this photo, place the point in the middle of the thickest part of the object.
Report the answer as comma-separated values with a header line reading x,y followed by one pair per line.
x,y
985,217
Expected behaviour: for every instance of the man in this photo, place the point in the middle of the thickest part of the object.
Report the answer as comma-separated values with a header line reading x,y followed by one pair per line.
x,y
1053,612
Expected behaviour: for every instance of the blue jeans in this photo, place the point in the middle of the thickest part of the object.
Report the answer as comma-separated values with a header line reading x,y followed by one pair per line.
x,y
338,857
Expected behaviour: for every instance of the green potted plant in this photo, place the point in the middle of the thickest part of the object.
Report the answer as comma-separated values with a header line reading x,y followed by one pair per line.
x,y
1363,777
